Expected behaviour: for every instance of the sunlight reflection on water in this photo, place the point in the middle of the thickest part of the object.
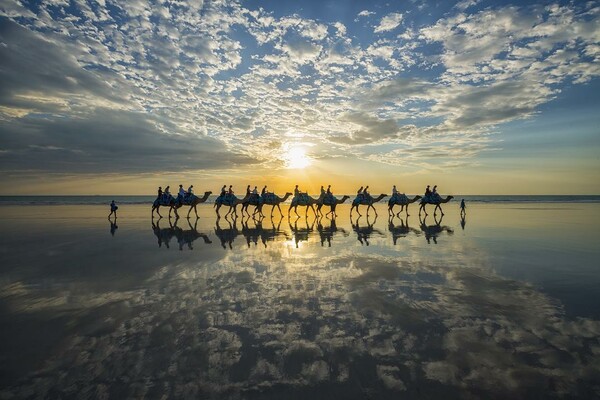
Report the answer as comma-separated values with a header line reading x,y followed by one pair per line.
x,y
497,305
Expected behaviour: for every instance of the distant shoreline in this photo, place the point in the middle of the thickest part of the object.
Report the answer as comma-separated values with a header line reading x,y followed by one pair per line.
x,y
143,199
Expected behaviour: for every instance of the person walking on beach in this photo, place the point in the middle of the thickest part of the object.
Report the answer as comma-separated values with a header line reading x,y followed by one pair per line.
x,y
463,211
113,209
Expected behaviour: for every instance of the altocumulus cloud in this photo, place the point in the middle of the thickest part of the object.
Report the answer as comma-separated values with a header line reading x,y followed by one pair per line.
x,y
214,83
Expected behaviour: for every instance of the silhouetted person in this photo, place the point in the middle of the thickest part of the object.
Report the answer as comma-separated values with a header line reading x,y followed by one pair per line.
x,y
223,191
296,191
248,191
160,193
462,208
113,209
359,190
230,191
329,189
427,191
263,191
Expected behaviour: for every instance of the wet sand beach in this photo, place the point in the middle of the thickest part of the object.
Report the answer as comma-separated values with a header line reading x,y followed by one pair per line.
x,y
502,304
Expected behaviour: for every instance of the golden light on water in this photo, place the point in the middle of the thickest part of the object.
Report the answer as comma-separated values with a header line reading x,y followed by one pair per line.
x,y
295,157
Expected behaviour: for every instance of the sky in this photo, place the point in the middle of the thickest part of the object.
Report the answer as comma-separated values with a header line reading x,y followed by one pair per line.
x,y
478,97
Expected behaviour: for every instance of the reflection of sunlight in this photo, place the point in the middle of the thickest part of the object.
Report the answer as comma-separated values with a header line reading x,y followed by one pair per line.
x,y
295,157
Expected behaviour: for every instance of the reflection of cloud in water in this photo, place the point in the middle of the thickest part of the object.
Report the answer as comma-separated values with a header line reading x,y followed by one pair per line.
x,y
279,321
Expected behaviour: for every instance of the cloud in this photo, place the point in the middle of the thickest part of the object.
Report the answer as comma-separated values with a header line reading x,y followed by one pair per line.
x,y
108,141
365,13
389,22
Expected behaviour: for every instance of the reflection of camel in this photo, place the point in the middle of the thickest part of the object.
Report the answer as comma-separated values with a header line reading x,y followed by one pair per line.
x,y
367,200
227,235
164,235
193,203
232,207
184,237
402,230
252,235
301,234
364,233
188,236
336,201
303,200
402,201
327,233
426,200
433,231
273,200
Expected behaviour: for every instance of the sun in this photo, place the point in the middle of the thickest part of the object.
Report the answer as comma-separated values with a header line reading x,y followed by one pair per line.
x,y
295,158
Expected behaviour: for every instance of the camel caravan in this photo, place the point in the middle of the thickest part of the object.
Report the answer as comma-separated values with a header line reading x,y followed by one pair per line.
x,y
227,198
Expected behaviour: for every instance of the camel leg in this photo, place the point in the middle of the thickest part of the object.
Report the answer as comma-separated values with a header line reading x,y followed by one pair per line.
x,y
407,214
196,210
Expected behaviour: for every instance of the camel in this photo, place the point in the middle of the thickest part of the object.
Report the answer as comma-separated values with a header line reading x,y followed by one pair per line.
x,y
272,200
193,202
251,200
160,202
402,201
437,202
229,200
303,200
321,203
366,201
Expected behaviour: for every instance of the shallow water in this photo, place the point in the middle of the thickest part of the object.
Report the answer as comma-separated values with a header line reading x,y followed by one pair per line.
x,y
502,304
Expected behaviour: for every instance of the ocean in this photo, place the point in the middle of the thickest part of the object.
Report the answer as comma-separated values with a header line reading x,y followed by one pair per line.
x,y
141,199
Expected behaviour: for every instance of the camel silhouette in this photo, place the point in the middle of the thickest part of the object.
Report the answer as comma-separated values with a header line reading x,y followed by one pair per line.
x,y
229,200
427,200
272,200
365,200
333,205
303,200
402,201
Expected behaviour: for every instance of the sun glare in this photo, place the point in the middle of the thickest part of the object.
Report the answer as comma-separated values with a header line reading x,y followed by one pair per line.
x,y
296,158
